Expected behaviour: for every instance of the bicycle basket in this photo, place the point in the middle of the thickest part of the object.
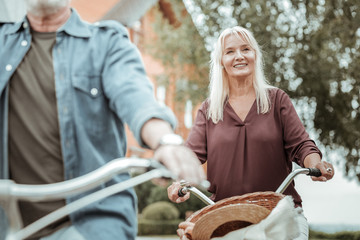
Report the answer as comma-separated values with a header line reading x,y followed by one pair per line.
x,y
232,213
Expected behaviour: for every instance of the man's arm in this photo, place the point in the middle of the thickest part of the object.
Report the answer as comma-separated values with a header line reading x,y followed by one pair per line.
x,y
153,130
177,158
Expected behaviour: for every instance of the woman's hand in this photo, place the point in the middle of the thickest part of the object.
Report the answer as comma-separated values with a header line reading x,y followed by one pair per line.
x,y
185,230
327,171
173,191
313,160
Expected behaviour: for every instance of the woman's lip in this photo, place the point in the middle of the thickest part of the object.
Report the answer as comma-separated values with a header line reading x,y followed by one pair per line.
x,y
240,65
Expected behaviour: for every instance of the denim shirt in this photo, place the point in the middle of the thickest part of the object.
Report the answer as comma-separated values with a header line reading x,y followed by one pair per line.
x,y
101,85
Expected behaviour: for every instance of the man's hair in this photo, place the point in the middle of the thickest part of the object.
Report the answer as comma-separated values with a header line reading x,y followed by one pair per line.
x,y
219,80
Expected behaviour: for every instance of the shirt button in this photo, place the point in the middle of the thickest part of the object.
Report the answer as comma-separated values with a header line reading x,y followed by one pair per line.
x,y
25,25
24,43
8,67
94,91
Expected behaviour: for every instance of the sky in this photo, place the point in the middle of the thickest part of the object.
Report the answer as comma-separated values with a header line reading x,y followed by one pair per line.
x,y
333,202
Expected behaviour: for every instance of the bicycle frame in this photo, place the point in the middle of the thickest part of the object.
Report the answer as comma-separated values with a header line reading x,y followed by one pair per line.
x,y
11,193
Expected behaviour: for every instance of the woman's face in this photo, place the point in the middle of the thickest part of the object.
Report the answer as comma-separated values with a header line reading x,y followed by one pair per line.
x,y
238,57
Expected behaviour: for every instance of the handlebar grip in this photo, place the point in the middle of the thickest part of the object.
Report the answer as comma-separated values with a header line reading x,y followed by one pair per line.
x,y
315,172
181,192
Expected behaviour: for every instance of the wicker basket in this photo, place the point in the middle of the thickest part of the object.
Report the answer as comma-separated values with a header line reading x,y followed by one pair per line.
x,y
231,214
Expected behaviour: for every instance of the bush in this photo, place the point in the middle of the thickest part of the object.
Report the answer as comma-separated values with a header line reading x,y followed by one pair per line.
x,y
334,236
160,211
149,193
143,192
152,227
159,218
192,204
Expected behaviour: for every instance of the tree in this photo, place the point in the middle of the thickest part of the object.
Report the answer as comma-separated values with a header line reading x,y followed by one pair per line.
x,y
182,51
311,51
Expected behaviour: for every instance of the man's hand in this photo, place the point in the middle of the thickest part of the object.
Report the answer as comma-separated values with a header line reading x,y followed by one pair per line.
x,y
181,161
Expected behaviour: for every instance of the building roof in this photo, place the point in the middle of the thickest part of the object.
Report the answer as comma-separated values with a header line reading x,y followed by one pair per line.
x,y
125,11
129,11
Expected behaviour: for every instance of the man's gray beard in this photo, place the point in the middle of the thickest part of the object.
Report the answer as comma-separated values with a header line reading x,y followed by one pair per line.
x,y
43,8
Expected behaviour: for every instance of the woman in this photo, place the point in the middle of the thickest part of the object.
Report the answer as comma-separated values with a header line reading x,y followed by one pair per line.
x,y
248,131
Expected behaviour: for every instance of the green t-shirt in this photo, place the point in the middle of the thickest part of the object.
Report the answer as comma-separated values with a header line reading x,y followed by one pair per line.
x,y
34,139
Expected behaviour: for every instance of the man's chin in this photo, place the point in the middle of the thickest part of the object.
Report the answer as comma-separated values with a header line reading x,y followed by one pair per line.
x,y
43,8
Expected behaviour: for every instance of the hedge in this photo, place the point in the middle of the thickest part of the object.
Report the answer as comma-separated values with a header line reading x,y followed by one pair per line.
x,y
333,236
160,211
152,227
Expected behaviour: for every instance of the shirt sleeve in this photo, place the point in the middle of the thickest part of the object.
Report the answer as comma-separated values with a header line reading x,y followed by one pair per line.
x,y
130,92
196,140
297,142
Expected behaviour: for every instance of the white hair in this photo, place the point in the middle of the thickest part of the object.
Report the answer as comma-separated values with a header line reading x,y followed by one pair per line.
x,y
45,7
219,81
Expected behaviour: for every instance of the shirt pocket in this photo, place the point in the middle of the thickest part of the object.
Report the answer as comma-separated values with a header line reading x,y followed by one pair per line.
x,y
88,85
91,109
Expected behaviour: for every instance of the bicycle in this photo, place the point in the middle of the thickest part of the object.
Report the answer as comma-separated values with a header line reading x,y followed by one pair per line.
x,y
11,193
238,212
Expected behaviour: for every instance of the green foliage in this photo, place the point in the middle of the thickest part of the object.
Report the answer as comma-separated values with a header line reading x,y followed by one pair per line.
x,y
157,214
143,192
192,204
151,227
149,193
160,211
313,235
312,52
179,48
311,49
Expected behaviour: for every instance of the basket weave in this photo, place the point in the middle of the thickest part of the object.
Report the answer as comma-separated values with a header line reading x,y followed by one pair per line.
x,y
231,214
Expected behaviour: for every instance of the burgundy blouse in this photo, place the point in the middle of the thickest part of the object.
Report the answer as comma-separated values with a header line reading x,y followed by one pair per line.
x,y
251,155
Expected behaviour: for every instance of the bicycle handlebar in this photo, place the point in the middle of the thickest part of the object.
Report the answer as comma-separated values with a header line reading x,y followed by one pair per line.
x,y
188,188
76,185
308,171
10,192
185,187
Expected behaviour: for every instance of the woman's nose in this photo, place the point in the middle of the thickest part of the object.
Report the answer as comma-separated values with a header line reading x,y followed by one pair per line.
x,y
239,55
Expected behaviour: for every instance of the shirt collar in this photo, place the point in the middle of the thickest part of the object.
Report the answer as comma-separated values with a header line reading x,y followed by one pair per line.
x,y
75,26
18,26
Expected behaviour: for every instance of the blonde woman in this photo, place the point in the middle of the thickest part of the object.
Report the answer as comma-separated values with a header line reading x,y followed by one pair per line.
x,y
248,131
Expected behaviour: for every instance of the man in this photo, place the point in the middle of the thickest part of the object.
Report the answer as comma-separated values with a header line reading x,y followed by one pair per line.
x,y
66,90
